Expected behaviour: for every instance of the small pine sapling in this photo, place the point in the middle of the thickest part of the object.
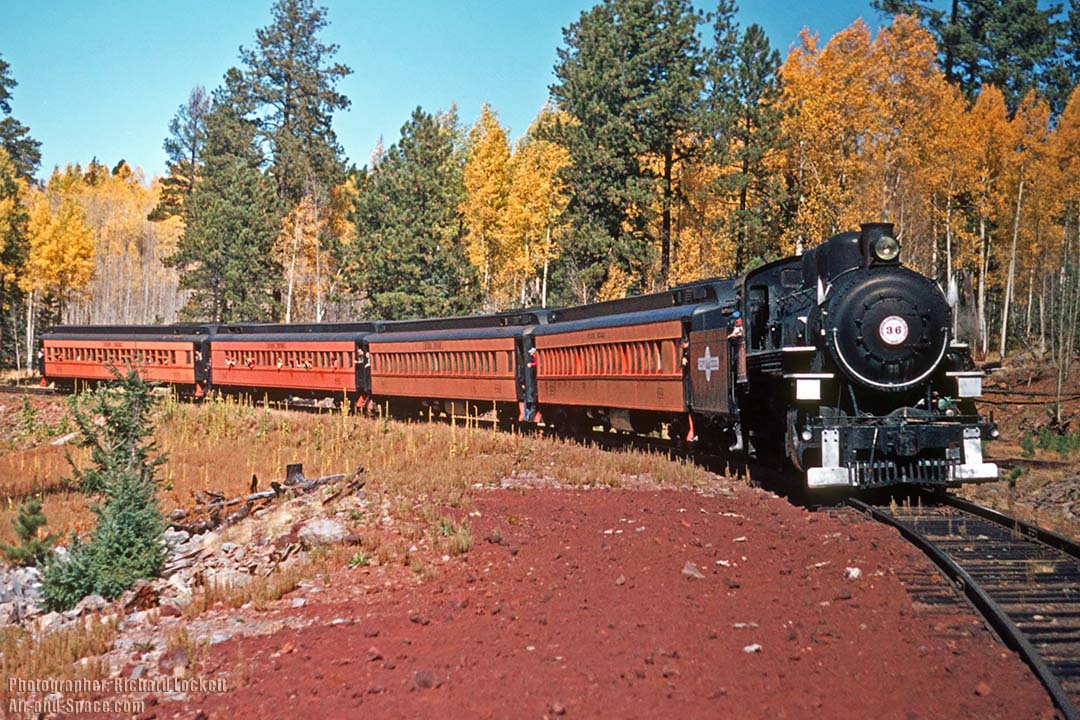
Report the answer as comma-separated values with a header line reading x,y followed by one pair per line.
x,y
126,543
31,549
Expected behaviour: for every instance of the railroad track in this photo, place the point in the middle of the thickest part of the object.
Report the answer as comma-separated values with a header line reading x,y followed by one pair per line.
x,y
1023,580
26,390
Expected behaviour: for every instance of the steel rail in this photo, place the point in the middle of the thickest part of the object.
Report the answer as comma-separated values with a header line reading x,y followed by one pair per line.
x,y
998,619
1046,537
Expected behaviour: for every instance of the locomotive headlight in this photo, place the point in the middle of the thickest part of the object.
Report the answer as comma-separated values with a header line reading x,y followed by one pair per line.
x,y
886,248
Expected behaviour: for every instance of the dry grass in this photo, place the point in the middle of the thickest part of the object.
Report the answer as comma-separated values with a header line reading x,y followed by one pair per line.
x,y
259,591
55,655
196,651
220,443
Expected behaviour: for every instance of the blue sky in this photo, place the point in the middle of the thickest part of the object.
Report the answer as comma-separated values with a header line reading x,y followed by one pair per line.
x,y
103,77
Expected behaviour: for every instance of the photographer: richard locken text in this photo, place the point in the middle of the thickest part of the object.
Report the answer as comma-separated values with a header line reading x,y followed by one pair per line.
x,y
50,694
164,685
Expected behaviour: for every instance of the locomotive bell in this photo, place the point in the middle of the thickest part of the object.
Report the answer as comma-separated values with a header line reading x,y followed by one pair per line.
x,y
877,244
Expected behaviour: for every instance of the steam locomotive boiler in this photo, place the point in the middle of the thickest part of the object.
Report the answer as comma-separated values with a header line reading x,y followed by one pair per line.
x,y
853,373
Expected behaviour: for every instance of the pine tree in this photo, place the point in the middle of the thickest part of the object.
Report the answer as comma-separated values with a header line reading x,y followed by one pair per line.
x,y
1015,45
231,222
408,258
15,138
745,133
126,542
629,79
290,84
185,147
32,549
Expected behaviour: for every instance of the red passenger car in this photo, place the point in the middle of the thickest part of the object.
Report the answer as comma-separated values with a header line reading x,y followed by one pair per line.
x,y
312,360
173,354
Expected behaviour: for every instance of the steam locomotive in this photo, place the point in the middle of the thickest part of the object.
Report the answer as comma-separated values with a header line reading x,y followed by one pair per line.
x,y
841,361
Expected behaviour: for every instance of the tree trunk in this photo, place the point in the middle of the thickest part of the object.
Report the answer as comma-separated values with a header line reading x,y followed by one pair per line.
x,y
1030,302
1012,265
665,220
984,334
30,329
1042,317
547,262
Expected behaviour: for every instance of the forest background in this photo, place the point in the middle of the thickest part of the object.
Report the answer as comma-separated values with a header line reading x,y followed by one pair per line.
x,y
675,145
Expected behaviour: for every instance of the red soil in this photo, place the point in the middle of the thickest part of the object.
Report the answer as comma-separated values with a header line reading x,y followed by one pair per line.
x,y
577,605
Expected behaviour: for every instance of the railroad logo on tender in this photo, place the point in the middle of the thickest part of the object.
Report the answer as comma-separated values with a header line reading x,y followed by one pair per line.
x,y
708,364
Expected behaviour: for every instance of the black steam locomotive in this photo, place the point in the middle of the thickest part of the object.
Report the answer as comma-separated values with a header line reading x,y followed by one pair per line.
x,y
852,373
840,361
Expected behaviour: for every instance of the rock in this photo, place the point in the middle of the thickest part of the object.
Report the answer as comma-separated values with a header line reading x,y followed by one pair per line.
x,y
89,604
169,610
374,654
353,539
9,613
228,548
175,538
226,578
982,689
142,595
173,659
321,531
751,649
690,570
220,637
852,573
424,679
557,708
49,622
64,439
298,602
179,585
419,619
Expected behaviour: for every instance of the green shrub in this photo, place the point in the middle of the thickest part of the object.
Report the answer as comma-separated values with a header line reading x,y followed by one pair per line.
x,y
1027,445
126,542
31,549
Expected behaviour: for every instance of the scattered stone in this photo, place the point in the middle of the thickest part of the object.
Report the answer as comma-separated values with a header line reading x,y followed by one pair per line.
x,y
852,573
321,531
419,619
219,637
142,595
298,602
89,604
556,708
982,689
353,539
621,580
691,570
751,649
424,679
374,654
49,622
228,548
169,610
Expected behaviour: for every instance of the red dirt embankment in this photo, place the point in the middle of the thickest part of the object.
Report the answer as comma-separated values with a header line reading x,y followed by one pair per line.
x,y
581,604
